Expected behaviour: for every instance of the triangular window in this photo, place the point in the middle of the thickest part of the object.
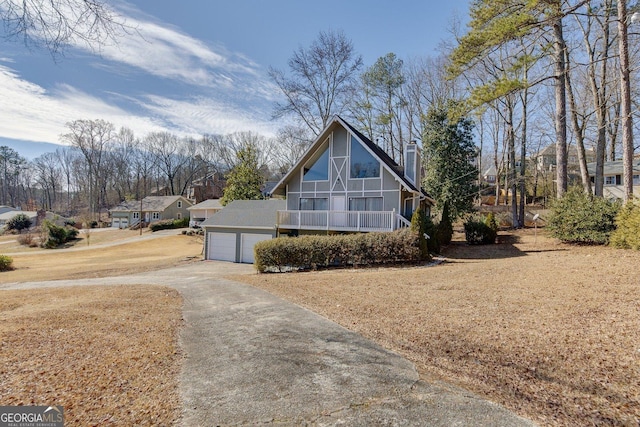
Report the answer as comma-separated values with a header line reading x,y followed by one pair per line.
x,y
317,169
363,164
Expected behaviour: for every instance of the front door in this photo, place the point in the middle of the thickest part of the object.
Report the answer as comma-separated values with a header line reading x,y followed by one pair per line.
x,y
338,208
146,217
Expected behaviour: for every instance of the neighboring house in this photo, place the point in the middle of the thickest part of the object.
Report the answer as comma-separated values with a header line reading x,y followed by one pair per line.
x,y
546,159
231,233
152,208
208,187
346,183
203,210
490,176
613,178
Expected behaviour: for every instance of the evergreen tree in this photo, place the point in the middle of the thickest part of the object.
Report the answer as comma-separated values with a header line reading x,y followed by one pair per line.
x,y
449,155
245,180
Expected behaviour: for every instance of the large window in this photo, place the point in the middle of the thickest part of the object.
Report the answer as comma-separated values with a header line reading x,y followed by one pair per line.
x,y
365,204
363,164
314,204
317,168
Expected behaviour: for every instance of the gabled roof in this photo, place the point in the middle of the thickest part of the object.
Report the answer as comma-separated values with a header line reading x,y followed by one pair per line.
x,y
614,167
149,203
387,161
207,204
258,214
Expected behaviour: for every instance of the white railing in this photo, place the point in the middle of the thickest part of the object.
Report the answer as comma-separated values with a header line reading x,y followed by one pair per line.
x,y
338,220
402,222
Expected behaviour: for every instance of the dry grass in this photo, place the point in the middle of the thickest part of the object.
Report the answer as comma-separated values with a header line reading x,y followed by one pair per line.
x,y
550,331
100,261
108,355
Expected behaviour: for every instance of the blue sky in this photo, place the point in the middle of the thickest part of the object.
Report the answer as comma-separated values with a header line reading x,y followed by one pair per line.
x,y
197,67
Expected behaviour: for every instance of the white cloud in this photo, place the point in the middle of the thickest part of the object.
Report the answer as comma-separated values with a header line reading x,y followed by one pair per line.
x,y
205,116
29,112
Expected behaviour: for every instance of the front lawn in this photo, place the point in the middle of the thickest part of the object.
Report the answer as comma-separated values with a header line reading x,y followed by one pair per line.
x,y
548,330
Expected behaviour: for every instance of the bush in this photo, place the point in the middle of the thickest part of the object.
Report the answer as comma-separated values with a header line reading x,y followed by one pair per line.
x,y
19,222
27,239
168,224
421,224
444,229
580,218
315,252
481,231
6,263
56,235
627,233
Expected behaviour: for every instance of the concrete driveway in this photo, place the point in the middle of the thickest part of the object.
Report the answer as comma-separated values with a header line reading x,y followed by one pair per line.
x,y
253,358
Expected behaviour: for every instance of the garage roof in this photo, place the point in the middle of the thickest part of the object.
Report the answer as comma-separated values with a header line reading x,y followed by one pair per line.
x,y
247,214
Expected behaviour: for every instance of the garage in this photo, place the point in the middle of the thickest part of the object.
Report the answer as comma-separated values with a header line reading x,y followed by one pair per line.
x,y
247,242
222,246
231,234
120,222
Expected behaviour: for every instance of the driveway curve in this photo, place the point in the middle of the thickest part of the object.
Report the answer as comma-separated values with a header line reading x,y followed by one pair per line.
x,y
253,358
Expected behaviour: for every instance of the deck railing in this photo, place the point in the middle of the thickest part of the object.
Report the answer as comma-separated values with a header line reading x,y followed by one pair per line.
x,y
341,220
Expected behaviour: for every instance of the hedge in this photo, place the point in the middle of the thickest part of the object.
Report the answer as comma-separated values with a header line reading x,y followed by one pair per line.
x,y
317,252
168,224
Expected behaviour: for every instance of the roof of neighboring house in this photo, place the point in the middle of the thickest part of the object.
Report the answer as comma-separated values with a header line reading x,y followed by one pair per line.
x,y
491,171
613,168
7,215
149,203
207,204
247,214
392,166
550,150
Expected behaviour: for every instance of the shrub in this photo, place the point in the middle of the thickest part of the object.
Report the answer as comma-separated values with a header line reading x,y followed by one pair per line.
x,y
421,224
627,233
27,239
168,224
315,252
55,236
580,218
19,222
444,229
6,263
481,231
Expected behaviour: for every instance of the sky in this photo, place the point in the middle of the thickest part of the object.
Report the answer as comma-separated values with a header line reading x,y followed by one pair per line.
x,y
197,66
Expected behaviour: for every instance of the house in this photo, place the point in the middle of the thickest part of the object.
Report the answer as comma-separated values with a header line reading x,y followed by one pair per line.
x,y
546,159
346,183
203,210
490,176
151,208
613,178
230,234
210,186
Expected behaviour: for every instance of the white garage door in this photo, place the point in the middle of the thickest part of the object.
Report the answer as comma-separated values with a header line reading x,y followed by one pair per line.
x,y
222,246
247,242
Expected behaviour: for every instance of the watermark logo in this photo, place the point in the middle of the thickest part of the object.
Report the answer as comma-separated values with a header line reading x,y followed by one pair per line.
x,y
31,416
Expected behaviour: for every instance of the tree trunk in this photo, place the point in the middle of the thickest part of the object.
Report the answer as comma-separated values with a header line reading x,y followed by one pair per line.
x,y
561,108
625,97
578,132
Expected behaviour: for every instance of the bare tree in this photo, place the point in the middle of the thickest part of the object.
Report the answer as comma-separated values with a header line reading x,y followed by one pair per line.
x,y
57,23
91,138
321,79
